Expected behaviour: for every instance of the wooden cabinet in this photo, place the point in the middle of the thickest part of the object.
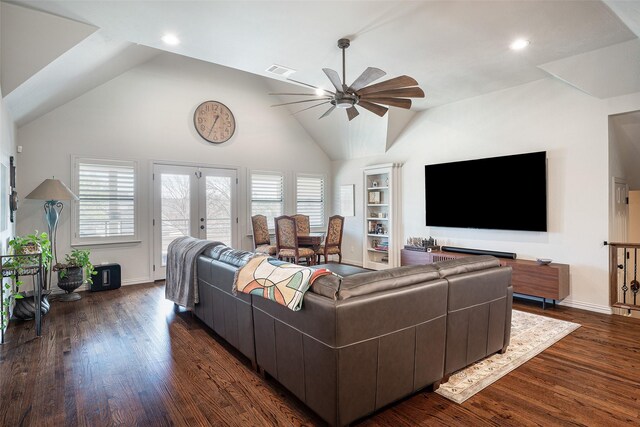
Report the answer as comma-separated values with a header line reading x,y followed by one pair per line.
x,y
382,232
528,278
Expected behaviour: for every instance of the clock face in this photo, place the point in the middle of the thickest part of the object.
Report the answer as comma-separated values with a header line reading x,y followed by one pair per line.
x,y
214,122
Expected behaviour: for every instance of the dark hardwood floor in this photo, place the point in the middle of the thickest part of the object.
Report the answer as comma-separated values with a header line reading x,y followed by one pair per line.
x,y
124,357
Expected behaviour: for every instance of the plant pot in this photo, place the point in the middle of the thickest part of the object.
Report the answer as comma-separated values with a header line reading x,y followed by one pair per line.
x,y
25,308
72,279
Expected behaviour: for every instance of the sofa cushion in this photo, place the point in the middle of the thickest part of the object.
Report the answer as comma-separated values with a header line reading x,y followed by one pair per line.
x,y
454,267
327,286
378,281
214,252
229,255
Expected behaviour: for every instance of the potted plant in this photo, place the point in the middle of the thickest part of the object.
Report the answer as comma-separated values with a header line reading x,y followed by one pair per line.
x,y
75,271
25,265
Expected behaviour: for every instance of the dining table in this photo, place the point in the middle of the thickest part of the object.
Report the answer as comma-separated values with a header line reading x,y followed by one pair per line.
x,y
311,240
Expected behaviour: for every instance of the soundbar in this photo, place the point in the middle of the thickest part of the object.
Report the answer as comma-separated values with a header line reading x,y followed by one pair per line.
x,y
510,255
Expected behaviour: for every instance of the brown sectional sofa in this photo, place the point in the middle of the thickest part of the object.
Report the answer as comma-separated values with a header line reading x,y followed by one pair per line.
x,y
366,340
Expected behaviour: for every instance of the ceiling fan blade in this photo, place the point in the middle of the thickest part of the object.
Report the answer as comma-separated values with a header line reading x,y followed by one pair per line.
x,y
352,113
374,108
395,83
407,92
369,75
334,77
304,94
308,108
298,102
394,102
311,86
326,113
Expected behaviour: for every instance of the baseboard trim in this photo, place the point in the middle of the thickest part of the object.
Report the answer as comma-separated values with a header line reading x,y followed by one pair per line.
x,y
352,262
135,281
604,309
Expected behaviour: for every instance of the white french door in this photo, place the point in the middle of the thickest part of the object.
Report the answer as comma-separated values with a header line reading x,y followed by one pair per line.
x,y
192,201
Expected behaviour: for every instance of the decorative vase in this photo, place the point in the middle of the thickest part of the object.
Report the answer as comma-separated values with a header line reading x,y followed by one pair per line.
x,y
72,280
25,308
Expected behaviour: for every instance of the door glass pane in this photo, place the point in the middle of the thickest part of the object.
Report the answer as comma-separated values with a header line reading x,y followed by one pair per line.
x,y
175,209
218,209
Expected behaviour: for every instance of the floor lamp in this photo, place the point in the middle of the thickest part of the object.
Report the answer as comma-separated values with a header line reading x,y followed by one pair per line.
x,y
53,191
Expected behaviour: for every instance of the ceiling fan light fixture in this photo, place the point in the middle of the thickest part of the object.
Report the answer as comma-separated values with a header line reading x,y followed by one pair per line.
x,y
344,100
344,103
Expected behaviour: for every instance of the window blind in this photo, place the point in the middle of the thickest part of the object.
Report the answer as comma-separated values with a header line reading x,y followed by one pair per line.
x,y
310,199
107,199
267,195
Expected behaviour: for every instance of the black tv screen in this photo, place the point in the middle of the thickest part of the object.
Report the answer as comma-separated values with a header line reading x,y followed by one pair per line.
x,y
499,193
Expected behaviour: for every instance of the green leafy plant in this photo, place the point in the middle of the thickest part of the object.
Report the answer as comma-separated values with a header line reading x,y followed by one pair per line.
x,y
27,249
78,258
27,245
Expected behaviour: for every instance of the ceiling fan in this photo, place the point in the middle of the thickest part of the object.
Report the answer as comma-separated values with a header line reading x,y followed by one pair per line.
x,y
393,92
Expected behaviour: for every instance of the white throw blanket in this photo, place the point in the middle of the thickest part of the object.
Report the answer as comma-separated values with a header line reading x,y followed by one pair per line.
x,y
181,282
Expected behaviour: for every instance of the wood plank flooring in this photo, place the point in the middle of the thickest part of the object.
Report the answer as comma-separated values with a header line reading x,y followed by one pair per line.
x,y
124,357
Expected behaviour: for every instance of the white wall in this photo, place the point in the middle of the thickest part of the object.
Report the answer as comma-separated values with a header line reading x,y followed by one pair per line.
x,y
543,115
7,149
146,114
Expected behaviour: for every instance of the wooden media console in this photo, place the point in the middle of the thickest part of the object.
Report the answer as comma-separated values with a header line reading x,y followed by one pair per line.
x,y
549,281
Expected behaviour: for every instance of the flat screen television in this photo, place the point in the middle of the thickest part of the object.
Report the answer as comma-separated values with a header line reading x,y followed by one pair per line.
x,y
498,193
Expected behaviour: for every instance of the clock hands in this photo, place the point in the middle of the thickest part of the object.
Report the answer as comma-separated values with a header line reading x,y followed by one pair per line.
x,y
214,123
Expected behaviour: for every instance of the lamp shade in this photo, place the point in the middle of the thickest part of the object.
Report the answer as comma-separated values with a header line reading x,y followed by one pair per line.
x,y
52,189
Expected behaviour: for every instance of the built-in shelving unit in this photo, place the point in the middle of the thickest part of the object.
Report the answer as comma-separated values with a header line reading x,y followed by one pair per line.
x,y
382,209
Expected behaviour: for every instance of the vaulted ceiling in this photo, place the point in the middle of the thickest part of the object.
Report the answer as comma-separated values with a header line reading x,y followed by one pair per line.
x,y
455,49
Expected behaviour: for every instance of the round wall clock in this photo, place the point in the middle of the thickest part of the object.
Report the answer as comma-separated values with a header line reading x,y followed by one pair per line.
x,y
214,122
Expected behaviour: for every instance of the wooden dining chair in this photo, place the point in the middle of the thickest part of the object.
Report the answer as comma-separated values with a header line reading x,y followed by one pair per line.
x,y
302,223
261,237
287,241
333,242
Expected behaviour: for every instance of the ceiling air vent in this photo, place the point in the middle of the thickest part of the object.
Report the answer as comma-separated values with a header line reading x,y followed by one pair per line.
x,y
279,70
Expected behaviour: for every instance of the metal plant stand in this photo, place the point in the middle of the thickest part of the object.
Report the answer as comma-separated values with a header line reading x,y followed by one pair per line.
x,y
17,266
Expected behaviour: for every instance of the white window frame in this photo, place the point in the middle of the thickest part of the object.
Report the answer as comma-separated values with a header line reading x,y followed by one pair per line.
x,y
323,177
250,195
75,214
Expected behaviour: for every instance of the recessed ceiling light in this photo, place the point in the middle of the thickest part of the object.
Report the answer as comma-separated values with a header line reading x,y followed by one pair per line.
x,y
320,92
171,39
519,44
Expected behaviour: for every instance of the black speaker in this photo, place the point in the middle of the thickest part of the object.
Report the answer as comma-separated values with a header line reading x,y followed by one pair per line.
x,y
108,278
510,255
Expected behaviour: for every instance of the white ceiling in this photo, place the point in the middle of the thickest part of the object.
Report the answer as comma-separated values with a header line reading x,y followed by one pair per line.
x,y
454,49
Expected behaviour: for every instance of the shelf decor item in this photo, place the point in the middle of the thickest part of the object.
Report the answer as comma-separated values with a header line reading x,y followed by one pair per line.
x,y
374,197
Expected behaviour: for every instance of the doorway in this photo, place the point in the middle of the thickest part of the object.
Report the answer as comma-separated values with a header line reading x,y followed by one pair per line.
x,y
192,201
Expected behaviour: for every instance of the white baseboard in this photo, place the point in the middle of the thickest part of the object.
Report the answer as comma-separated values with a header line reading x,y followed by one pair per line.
x,y
136,281
604,309
352,262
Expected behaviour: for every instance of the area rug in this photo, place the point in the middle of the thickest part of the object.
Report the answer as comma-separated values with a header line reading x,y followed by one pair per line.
x,y
530,335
